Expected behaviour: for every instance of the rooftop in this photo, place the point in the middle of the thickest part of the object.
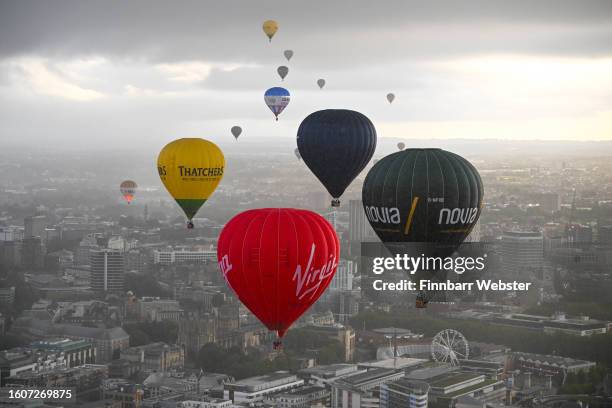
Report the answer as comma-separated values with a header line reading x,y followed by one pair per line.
x,y
370,375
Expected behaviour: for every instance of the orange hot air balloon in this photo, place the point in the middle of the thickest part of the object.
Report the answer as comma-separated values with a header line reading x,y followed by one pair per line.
x,y
128,190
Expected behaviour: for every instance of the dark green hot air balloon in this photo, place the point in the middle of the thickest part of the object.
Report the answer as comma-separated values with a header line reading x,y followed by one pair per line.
x,y
423,196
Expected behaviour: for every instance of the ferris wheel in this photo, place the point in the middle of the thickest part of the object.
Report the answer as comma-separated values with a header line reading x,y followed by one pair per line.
x,y
449,346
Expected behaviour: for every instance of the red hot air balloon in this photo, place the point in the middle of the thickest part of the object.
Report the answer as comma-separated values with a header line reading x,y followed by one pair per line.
x,y
278,261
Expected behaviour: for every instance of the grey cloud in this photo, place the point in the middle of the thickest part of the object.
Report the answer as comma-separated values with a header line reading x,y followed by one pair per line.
x,y
231,29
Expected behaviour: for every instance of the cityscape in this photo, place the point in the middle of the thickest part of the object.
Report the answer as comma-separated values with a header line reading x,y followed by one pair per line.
x,y
124,305
326,204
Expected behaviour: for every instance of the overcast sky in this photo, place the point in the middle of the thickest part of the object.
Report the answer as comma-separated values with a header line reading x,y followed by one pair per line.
x,y
126,73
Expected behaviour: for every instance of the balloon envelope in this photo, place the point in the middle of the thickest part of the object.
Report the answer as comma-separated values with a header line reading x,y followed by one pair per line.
x,y
427,198
277,99
190,169
390,97
278,261
288,54
423,195
236,131
270,27
282,71
336,144
321,83
128,190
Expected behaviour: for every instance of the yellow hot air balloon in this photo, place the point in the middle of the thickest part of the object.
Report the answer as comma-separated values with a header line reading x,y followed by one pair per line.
x,y
190,169
270,27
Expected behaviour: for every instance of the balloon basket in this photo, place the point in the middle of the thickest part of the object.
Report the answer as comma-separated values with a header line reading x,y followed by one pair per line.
x,y
335,202
190,225
421,301
277,345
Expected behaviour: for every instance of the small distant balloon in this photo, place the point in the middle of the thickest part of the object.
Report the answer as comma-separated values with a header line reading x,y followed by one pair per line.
x,y
401,146
297,153
321,83
128,190
288,54
390,97
277,99
282,71
270,27
236,131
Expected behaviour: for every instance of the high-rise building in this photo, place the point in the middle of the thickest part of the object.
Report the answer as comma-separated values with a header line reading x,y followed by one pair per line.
x,y
33,253
579,234
404,393
359,226
343,279
522,253
34,226
332,218
106,270
604,234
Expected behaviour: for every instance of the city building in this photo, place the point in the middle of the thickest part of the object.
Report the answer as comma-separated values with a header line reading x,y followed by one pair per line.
x,y
195,332
59,260
33,253
256,389
359,228
7,295
184,255
128,394
91,242
447,384
404,393
522,254
85,380
156,310
108,342
303,397
332,218
15,361
158,357
75,352
557,323
106,270
345,335
578,234
325,375
10,253
548,365
604,235
11,233
343,279
205,403
362,390
34,226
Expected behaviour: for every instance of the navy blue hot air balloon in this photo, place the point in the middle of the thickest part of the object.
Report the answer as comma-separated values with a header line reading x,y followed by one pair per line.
x,y
336,144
